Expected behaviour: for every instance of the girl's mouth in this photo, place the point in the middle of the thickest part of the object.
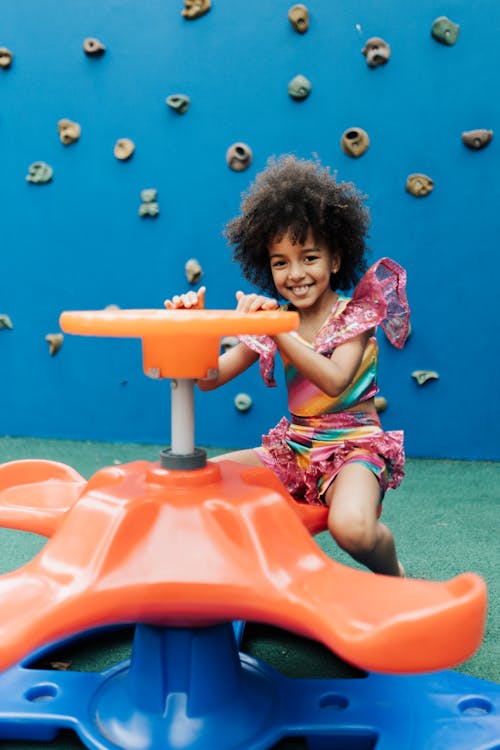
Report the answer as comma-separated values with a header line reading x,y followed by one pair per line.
x,y
300,291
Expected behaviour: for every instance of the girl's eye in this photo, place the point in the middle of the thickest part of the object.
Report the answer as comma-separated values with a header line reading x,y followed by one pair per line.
x,y
278,263
311,258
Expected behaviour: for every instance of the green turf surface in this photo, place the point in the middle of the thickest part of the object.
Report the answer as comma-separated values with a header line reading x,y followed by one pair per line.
x,y
445,518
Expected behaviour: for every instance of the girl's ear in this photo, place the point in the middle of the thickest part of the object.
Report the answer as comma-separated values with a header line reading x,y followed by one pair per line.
x,y
335,263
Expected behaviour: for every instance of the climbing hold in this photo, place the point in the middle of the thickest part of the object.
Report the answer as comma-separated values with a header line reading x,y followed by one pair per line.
x,y
298,15
299,87
243,401
195,8
93,47
5,321
229,342
419,185
376,51
445,31
124,148
422,376
477,139
239,157
193,270
6,57
55,341
39,173
149,205
380,404
69,132
354,142
178,102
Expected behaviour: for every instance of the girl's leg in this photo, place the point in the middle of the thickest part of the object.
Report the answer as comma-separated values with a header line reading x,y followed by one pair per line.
x,y
247,456
352,520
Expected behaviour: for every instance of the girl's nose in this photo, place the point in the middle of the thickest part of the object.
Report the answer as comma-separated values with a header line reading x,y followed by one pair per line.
x,y
296,271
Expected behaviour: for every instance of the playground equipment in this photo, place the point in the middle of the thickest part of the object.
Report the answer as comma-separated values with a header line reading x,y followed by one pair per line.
x,y
187,550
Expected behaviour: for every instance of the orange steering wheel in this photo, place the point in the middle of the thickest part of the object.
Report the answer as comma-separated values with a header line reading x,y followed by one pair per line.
x,y
178,343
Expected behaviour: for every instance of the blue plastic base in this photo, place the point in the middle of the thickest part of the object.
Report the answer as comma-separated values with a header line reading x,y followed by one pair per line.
x,y
191,689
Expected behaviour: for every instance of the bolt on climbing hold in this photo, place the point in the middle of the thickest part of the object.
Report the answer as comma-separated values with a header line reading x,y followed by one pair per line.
x,y
445,31
298,15
299,87
124,148
354,142
243,401
93,47
5,321
6,57
380,404
149,205
239,157
376,51
55,341
69,132
178,102
39,173
477,139
419,185
193,270
195,8
422,376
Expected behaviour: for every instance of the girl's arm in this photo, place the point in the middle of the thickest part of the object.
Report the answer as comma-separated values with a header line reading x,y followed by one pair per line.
x,y
237,360
331,375
231,363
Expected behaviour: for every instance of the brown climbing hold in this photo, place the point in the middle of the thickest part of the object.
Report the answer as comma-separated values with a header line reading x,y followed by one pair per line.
x,y
354,142
69,132
93,47
124,148
376,51
239,157
477,139
6,57
380,404
298,15
419,185
422,376
195,8
55,341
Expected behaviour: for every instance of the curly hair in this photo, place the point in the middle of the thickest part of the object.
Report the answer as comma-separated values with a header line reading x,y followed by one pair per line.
x,y
292,196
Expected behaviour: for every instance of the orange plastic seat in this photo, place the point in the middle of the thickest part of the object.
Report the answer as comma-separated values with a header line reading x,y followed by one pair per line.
x,y
191,548
35,494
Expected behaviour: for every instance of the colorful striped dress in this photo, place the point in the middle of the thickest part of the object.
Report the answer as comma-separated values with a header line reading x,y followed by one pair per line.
x,y
323,435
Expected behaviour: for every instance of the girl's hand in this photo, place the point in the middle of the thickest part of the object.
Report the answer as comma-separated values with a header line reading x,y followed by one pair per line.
x,y
253,302
187,301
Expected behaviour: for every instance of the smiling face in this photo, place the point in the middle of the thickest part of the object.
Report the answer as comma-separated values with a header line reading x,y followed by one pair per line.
x,y
302,272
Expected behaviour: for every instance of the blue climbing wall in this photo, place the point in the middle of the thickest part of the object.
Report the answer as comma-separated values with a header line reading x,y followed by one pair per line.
x,y
79,243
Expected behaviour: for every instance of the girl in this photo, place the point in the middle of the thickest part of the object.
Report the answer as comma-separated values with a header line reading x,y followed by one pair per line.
x,y
301,237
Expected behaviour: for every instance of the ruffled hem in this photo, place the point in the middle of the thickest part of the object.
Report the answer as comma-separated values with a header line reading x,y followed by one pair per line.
x,y
300,475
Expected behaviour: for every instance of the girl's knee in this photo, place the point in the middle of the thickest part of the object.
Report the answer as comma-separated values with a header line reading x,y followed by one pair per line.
x,y
354,534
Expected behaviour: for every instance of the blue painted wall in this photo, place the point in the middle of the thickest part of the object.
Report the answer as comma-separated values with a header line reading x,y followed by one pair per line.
x,y
78,242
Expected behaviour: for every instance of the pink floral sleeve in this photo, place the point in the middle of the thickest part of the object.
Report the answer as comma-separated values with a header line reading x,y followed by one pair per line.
x,y
379,299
